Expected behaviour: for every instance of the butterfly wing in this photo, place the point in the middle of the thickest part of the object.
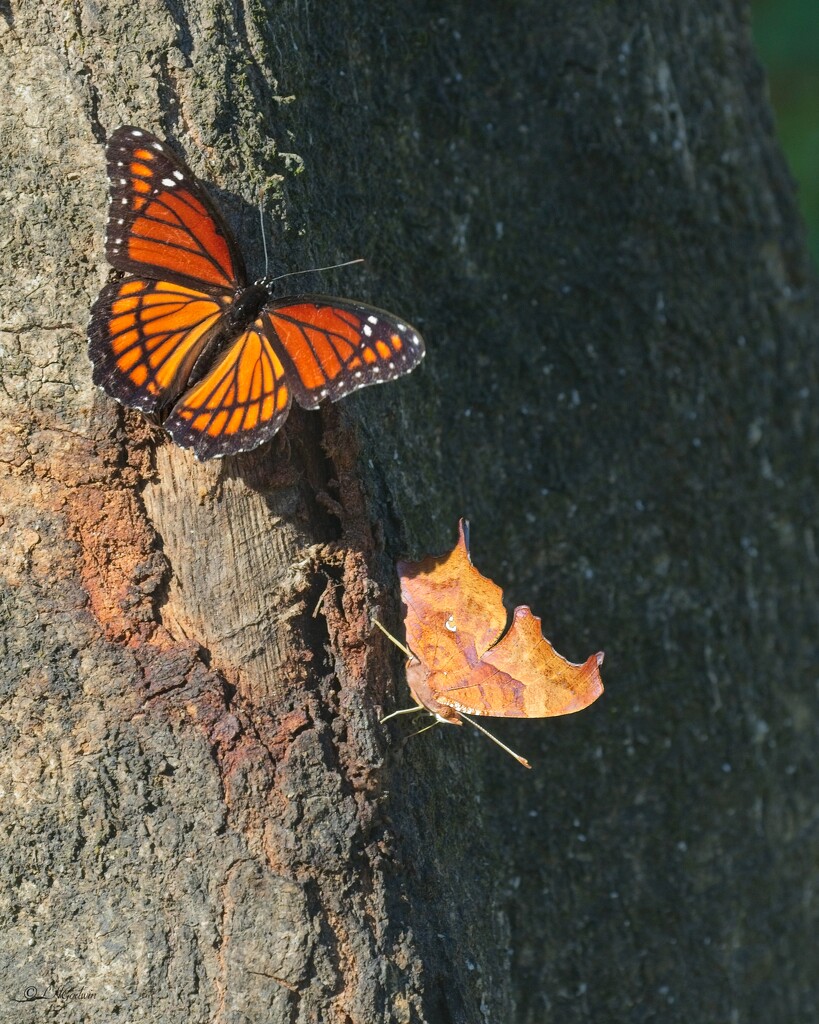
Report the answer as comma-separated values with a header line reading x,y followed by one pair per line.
x,y
161,224
334,346
454,620
522,676
145,336
239,403
453,614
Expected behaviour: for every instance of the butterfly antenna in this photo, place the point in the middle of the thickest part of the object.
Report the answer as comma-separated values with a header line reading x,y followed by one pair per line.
x,y
397,643
486,732
264,235
315,270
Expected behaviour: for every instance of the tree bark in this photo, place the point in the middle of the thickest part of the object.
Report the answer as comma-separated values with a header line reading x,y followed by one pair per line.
x,y
584,209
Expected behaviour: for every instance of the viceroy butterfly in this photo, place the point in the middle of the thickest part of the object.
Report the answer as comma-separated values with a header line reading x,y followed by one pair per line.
x,y
187,339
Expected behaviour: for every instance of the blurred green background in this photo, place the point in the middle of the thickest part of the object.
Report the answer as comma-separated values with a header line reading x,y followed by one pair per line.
x,y
787,39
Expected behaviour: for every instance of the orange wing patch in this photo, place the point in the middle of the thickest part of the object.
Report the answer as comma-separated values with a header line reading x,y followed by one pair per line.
x,y
162,224
241,402
336,346
173,232
145,337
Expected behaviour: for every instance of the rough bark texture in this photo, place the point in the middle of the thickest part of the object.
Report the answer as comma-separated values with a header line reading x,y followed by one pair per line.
x,y
583,207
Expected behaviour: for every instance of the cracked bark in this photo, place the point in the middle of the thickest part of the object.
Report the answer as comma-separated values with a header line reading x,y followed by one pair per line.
x,y
583,208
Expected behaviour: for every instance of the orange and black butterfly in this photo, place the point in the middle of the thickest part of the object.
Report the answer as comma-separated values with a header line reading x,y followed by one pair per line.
x,y
185,338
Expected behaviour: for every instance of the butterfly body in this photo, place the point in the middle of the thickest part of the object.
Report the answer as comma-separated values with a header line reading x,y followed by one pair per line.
x,y
247,305
425,688
186,338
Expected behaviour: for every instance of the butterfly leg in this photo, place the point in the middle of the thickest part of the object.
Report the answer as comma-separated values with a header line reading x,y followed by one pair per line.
x,y
418,732
389,636
402,711
401,647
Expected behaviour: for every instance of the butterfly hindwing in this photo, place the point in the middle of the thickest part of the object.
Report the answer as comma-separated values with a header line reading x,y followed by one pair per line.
x,y
239,403
523,676
145,336
161,222
335,346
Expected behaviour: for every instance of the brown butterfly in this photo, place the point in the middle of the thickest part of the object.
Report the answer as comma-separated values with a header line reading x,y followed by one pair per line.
x,y
186,338
460,665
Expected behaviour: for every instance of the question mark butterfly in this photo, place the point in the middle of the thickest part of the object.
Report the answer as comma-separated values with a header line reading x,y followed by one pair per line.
x,y
185,338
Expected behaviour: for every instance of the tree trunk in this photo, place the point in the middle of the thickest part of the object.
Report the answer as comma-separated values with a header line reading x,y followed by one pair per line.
x,y
583,208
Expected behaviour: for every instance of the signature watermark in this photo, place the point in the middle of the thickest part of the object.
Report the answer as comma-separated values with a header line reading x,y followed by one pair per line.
x,y
33,993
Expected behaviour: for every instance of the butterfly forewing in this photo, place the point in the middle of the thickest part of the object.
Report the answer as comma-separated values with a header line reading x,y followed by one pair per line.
x,y
161,222
240,402
471,615
335,346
